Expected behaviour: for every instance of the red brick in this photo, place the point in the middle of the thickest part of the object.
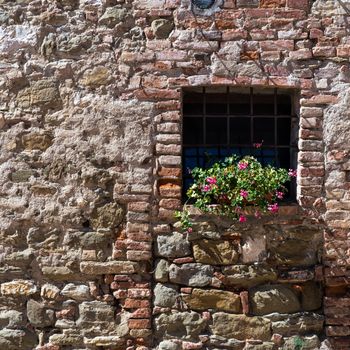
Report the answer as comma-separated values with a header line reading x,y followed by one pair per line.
x,y
185,260
299,4
320,100
169,172
272,45
137,293
343,51
170,203
135,303
234,34
315,33
141,313
170,190
272,3
139,324
136,245
138,206
324,51
120,294
149,94
260,34
168,149
245,302
140,236
301,54
138,255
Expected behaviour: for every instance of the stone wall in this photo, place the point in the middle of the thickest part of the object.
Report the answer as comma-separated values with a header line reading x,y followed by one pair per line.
x,y
90,134
225,283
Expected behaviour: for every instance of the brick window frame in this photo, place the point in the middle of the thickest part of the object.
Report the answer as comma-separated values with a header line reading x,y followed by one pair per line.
x,y
274,112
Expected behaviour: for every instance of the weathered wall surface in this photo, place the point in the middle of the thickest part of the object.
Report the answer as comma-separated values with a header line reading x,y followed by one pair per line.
x,y
90,118
225,283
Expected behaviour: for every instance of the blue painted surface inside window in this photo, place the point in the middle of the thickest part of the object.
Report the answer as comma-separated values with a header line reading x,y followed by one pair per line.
x,y
203,4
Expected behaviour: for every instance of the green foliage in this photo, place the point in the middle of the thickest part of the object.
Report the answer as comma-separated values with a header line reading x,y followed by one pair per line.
x,y
298,343
228,187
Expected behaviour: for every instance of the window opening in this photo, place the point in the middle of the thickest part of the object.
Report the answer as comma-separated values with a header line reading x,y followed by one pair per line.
x,y
221,121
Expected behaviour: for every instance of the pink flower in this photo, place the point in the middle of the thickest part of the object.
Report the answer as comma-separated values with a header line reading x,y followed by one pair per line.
x,y
273,208
211,180
243,165
242,218
244,194
206,188
189,230
258,144
292,173
279,194
257,214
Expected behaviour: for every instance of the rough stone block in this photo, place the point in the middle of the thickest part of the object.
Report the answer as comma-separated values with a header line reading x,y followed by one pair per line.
x,y
18,288
215,252
172,245
108,267
241,327
165,295
276,298
194,275
202,299
246,276
185,325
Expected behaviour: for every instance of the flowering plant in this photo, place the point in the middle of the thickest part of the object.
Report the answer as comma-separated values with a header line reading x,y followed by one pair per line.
x,y
228,187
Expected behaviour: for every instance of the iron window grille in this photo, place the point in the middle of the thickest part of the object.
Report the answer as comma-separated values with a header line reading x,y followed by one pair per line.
x,y
221,121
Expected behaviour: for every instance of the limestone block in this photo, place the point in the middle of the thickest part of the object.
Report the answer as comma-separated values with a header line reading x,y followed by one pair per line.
x,y
246,276
21,175
299,323
165,295
186,325
79,292
11,319
38,315
15,339
96,77
113,16
108,216
204,229
161,28
273,298
99,239
66,339
233,344
172,245
311,296
169,345
161,273
42,93
241,327
108,267
203,299
104,341
37,141
58,273
194,275
215,252
263,346
305,343
18,288
91,311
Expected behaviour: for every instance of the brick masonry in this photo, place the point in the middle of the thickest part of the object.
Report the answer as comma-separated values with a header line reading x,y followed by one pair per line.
x,y
90,130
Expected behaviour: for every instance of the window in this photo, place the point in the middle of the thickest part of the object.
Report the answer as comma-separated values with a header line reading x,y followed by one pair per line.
x,y
220,121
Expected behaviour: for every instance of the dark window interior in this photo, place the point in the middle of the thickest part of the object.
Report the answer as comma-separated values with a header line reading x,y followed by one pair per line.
x,y
219,122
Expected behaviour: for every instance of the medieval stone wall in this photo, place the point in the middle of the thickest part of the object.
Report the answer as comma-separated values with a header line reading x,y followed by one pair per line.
x,y
90,130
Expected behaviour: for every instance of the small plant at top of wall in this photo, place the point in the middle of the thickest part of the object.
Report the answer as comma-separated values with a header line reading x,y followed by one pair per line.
x,y
229,187
298,343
